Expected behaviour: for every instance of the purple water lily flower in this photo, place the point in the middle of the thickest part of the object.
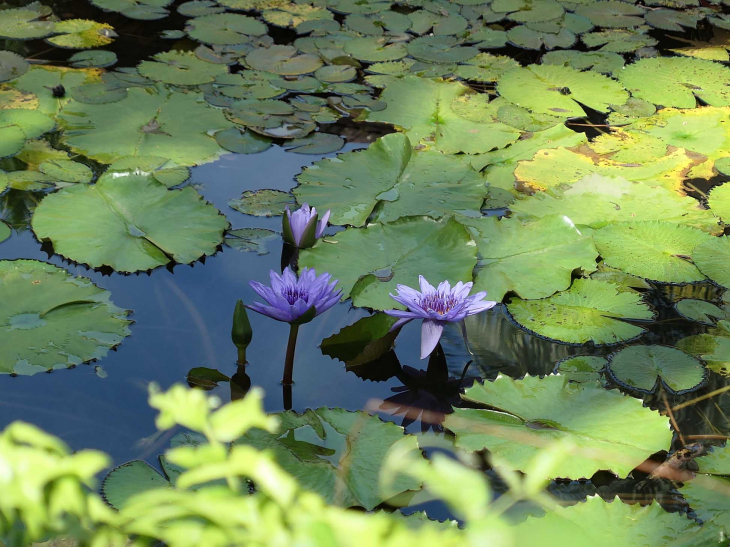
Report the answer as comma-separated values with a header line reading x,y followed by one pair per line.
x,y
296,300
437,307
302,228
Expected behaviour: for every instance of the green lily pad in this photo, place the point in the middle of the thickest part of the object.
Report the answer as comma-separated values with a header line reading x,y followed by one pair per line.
x,y
95,58
143,10
558,90
224,28
259,113
12,66
335,73
252,240
654,250
532,260
711,257
130,479
363,342
392,181
199,8
525,37
99,93
338,454
293,15
440,49
283,60
712,347
700,310
12,139
426,111
612,14
33,123
628,112
82,34
677,21
130,223
597,201
377,23
488,38
164,123
523,11
604,62
316,143
262,203
485,67
358,6
619,40
250,84
51,319
582,368
719,200
163,170
180,68
643,368
242,141
24,24
523,415
373,49
67,171
707,494
590,311
370,262
676,81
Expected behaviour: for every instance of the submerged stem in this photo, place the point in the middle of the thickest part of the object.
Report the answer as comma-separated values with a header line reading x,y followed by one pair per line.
x,y
289,361
466,338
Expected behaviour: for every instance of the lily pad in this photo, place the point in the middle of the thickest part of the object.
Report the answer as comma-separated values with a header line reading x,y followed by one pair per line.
x,y
262,203
590,311
95,58
242,141
338,454
654,250
525,37
708,498
12,66
392,181
67,171
485,67
440,49
643,368
163,170
675,20
316,143
425,110
143,10
224,28
198,8
582,368
283,60
712,347
254,240
700,310
711,257
129,222
370,262
163,123
51,319
25,24
375,50
532,260
612,14
362,342
678,81
130,479
81,34
558,90
619,40
293,14
180,68
719,201
604,62
524,415
4,231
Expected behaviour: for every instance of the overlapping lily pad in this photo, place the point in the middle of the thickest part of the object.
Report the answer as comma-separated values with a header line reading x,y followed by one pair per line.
x,y
711,257
144,10
81,34
26,23
12,66
283,60
521,416
180,68
51,319
224,28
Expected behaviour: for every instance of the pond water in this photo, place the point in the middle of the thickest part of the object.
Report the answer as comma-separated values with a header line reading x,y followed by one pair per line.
x,y
182,313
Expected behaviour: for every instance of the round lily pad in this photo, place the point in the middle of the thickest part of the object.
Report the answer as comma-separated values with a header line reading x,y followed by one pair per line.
x,y
66,171
373,49
242,141
82,34
335,73
612,14
440,49
225,28
254,240
180,68
262,203
485,67
98,93
582,368
51,319
719,200
700,310
199,8
24,23
643,368
316,143
12,66
711,257
95,58
283,60
163,170
143,10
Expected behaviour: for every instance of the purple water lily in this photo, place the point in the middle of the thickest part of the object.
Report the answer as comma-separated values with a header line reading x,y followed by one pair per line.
x,y
302,227
437,306
296,300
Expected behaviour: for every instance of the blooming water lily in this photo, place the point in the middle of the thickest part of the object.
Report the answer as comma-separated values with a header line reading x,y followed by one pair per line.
x,y
302,227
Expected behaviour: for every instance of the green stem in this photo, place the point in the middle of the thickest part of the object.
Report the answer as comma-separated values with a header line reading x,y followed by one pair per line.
x,y
241,356
289,362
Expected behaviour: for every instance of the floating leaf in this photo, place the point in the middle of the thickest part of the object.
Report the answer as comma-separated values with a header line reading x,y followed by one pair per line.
x,y
316,143
711,257
242,141
590,311
485,67
675,20
714,50
525,37
252,240
524,415
129,222
51,319
557,90
375,50
532,260
12,66
335,73
143,10
644,368
163,170
82,34
97,58
700,310
130,479
376,24
24,24
370,262
619,40
362,342
67,171
293,15
612,14
582,368
198,8
282,60
440,49
712,347
164,123
224,28
4,231
719,201
337,453
425,110
262,203
654,250
524,11
180,68
598,61
708,498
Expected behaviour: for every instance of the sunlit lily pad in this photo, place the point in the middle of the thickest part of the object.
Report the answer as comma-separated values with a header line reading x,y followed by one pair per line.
x,y
370,262
144,10
711,257
129,222
283,60
643,368
719,201
590,311
440,49
519,416
262,203
485,67
96,58
12,66
180,68
82,34
612,14
597,61
700,310
375,49
25,23
51,319
224,28
293,14
582,368
619,40
242,141
163,170
338,454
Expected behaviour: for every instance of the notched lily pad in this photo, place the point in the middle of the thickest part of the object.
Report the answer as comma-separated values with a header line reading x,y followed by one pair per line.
x,y
224,28
283,60
262,203
95,58
242,141
252,240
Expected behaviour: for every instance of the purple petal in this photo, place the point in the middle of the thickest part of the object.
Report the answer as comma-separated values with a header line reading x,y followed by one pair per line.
x,y
430,335
323,224
263,291
444,287
288,277
408,303
277,284
398,324
403,314
269,311
479,307
405,290
299,308
323,306
426,287
461,290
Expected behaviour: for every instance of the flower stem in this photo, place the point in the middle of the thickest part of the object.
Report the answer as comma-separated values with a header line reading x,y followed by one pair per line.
x,y
466,338
289,362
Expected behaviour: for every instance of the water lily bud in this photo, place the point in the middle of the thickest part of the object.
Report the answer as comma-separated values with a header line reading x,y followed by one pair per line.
x,y
241,333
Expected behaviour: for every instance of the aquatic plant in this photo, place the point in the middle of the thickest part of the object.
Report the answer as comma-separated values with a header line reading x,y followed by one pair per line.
x,y
303,227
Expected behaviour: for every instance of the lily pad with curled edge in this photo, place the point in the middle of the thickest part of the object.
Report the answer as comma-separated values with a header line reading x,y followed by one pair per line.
x,y
242,141
162,170
596,201
252,240
644,368
655,250
558,90
25,23
678,81
373,49
12,66
4,231
81,34
533,260
143,10
316,143
612,14
711,257
392,181
161,123
224,28
283,60
262,203
180,68
51,319
440,49
719,200
424,110
581,368
701,311
130,222
517,418
338,454
619,40
371,261
95,58
590,311
485,67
